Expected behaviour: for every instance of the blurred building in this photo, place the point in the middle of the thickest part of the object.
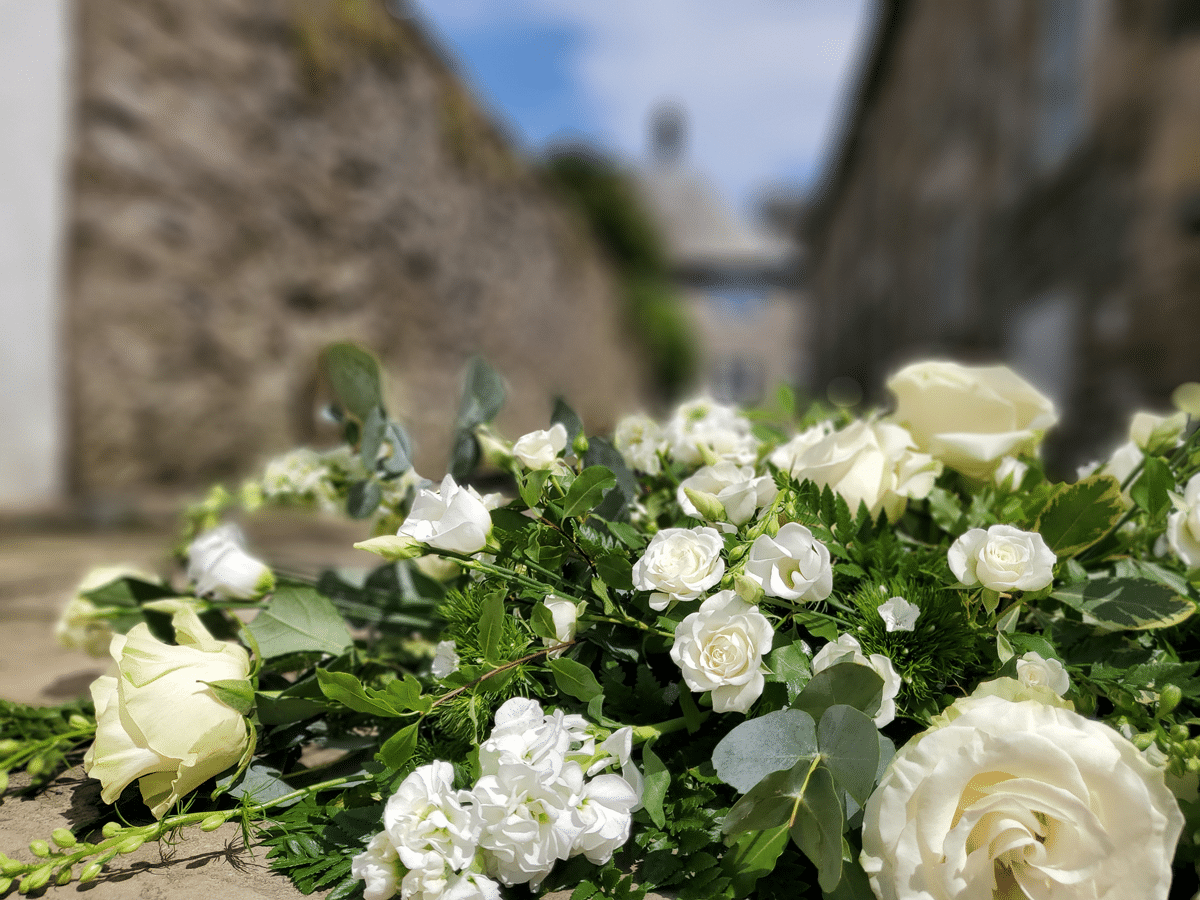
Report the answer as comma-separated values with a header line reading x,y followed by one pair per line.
x,y
740,282
1020,179
196,197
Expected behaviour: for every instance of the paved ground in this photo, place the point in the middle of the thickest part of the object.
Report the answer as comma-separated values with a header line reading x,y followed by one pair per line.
x,y
39,566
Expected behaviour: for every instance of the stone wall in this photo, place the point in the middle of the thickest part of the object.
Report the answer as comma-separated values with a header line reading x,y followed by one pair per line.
x,y
254,179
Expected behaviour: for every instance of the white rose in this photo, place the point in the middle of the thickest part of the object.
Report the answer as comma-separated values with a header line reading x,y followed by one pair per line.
x,y
875,463
445,659
377,866
540,449
719,648
1010,473
219,566
703,430
84,626
1035,671
1157,434
1003,558
970,417
1183,525
565,615
1020,800
639,440
453,518
898,614
429,822
679,564
156,718
786,457
846,649
793,565
734,487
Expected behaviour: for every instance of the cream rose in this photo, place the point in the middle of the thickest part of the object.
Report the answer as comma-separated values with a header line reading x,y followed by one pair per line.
x,y
453,518
719,648
970,418
793,565
540,449
1183,525
1020,800
679,564
735,487
219,566
157,720
875,463
1034,670
1003,558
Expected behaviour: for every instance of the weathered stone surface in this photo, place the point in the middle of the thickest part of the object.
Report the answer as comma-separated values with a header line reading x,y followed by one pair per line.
x,y
253,180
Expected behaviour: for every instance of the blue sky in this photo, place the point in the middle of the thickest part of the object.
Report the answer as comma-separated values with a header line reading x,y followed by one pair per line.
x,y
761,80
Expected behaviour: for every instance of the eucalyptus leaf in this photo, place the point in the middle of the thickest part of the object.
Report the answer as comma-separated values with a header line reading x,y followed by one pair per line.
x,y
568,418
846,739
399,460
752,856
849,683
766,744
299,620
483,395
372,437
770,803
363,498
1120,604
817,828
1077,515
259,784
355,378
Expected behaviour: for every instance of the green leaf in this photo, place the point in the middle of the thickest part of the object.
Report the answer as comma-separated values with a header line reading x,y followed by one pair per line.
x,y
849,683
399,460
587,490
849,747
354,376
398,749
372,437
1152,489
259,784
752,856
128,592
568,418
817,828
771,802
491,627
1080,514
530,486
236,693
946,511
766,744
347,690
464,455
616,570
1118,604
654,791
405,694
276,708
854,884
483,395
299,620
790,666
363,498
575,679
542,621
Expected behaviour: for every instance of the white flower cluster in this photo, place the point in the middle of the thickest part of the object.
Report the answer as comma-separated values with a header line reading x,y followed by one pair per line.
x,y
544,794
700,431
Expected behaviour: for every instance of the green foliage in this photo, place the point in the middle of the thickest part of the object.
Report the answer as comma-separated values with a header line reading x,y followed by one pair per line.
x,y
42,741
298,619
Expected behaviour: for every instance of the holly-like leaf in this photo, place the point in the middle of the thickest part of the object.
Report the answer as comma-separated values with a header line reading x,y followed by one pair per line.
x,y
1080,514
1125,604
299,620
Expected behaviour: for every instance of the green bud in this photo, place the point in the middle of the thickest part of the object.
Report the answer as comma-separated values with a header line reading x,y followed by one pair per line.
x,y
580,445
90,872
112,829
709,507
36,766
213,822
1192,765
130,844
10,867
63,838
1192,746
40,849
3,782
1180,732
5,884
1168,699
79,722
36,880
64,876
1143,741
8,745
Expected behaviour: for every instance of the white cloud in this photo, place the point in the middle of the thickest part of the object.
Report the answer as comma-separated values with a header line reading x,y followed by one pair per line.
x,y
760,79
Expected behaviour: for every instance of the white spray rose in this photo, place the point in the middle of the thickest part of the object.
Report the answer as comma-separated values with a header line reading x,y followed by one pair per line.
x,y
1010,473
870,462
377,866
452,518
540,449
157,721
719,648
470,886
565,616
1003,558
1021,800
786,457
639,440
846,649
1033,670
1157,434
970,417
219,566
735,487
793,565
429,822
1183,525
898,614
703,430
679,564
523,733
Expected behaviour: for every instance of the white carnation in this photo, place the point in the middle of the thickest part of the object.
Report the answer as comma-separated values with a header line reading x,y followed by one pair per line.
x,y
430,823
378,867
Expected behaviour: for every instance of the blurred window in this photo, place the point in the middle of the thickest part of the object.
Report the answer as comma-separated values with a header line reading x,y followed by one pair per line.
x,y
1064,27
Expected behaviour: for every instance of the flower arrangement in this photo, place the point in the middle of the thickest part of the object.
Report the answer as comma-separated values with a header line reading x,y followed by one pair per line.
x,y
780,655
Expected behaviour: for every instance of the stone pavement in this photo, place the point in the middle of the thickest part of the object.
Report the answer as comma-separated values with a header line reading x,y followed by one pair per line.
x,y
39,567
